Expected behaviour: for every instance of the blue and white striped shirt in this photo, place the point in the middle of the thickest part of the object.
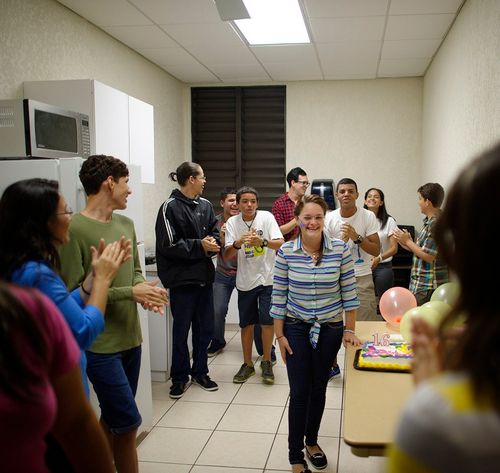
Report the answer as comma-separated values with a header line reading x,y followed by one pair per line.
x,y
314,294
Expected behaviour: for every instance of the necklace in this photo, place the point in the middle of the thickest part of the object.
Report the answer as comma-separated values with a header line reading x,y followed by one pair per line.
x,y
313,254
249,226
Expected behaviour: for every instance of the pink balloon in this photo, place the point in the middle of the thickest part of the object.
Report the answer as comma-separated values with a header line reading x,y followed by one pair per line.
x,y
394,303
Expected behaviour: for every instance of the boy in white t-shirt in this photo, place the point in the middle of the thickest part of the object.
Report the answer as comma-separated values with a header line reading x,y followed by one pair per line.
x,y
358,228
255,236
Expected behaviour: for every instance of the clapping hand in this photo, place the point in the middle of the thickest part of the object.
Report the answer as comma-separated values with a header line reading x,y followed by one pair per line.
x,y
402,236
348,232
209,244
150,296
106,259
253,239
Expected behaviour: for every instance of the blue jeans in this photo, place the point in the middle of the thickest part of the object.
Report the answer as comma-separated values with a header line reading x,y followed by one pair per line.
x,y
192,307
115,377
308,369
223,288
383,278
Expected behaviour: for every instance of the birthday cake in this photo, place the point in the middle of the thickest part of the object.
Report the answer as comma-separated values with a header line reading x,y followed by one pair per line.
x,y
395,356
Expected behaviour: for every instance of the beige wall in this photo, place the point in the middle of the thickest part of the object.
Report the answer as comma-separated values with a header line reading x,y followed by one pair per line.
x,y
43,40
461,111
369,130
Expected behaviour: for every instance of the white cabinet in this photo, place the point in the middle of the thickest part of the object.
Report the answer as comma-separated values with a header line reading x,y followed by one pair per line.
x,y
111,121
120,125
141,137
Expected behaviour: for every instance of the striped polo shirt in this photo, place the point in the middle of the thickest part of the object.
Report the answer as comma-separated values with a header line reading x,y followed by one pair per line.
x,y
313,293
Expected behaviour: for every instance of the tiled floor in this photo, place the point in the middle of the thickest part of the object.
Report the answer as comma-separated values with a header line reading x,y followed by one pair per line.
x,y
239,428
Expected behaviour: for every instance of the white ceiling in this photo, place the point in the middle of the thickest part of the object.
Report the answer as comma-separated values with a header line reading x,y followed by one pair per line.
x,y
351,39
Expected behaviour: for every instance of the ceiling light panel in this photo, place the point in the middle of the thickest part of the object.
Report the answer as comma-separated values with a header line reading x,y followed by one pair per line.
x,y
273,22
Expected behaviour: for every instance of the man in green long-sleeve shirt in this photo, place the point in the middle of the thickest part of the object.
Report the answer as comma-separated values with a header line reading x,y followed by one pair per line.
x,y
115,357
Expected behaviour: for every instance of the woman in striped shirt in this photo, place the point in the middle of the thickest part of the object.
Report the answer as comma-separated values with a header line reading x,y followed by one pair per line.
x,y
313,286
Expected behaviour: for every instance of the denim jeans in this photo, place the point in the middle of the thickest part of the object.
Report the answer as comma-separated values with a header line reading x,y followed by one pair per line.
x,y
223,288
383,278
192,307
114,377
308,369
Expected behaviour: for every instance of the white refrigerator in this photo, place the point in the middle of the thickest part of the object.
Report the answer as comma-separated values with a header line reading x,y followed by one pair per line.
x,y
65,171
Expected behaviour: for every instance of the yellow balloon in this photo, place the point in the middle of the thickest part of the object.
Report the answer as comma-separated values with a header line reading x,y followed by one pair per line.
x,y
442,308
430,315
447,293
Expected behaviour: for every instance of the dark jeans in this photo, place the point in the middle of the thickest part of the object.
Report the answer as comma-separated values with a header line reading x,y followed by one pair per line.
x,y
423,296
115,377
223,288
383,278
192,307
308,369
257,338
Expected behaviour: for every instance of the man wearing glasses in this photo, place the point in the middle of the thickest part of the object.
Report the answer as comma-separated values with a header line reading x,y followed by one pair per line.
x,y
284,206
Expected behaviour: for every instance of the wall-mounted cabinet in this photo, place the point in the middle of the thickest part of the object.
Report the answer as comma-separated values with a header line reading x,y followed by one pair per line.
x,y
120,125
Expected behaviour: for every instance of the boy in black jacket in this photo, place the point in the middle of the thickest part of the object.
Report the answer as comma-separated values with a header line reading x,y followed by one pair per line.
x,y
186,239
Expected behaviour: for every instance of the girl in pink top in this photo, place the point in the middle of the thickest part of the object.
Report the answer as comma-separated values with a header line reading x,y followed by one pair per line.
x,y
41,388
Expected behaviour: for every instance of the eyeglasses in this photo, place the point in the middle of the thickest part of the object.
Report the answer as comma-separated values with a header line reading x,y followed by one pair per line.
x,y
201,178
68,211
303,183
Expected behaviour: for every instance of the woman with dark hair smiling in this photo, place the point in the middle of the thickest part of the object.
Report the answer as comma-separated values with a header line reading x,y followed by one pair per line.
x,y
314,284
452,421
383,276
35,219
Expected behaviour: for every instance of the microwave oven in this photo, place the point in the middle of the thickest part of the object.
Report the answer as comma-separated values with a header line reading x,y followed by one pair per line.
x,y
32,129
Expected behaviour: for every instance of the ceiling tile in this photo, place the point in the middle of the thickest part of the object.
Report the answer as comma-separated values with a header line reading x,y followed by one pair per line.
x,y
192,73
340,8
108,12
303,53
418,26
211,43
239,72
167,56
344,50
218,53
346,29
282,72
411,48
350,66
195,33
350,76
141,36
402,67
421,7
188,39
178,11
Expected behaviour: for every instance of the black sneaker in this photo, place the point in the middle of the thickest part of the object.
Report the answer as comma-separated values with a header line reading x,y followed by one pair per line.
x,y
273,355
214,349
177,390
206,383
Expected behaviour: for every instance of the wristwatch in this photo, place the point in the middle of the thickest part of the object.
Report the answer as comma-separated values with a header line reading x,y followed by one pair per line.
x,y
265,242
359,240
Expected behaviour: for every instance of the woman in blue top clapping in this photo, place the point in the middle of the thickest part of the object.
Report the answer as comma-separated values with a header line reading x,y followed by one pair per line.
x,y
35,221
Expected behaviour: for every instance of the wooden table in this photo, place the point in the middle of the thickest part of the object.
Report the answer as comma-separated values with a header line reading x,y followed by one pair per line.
x,y
372,400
